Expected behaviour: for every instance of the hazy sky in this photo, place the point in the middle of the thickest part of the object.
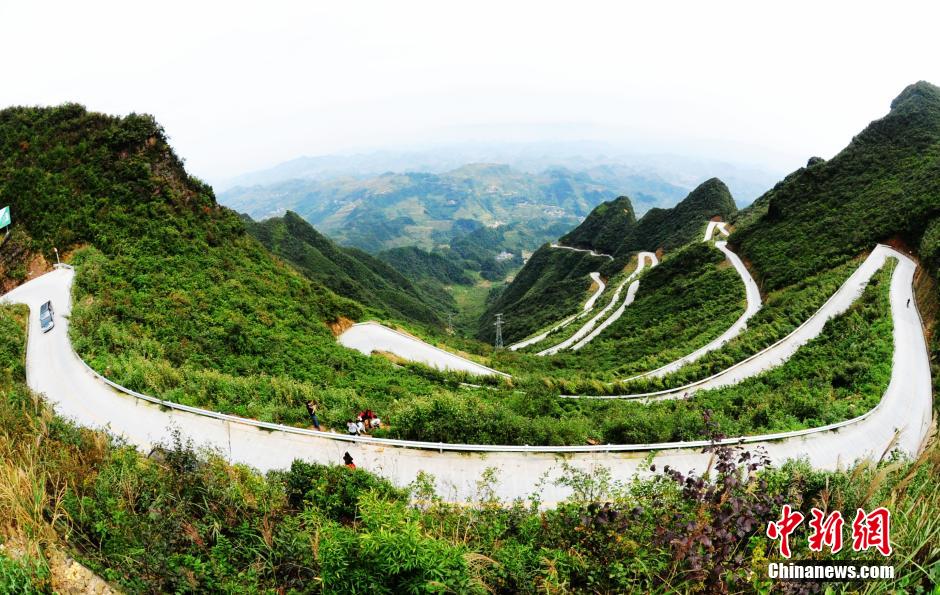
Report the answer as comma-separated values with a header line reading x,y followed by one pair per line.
x,y
242,86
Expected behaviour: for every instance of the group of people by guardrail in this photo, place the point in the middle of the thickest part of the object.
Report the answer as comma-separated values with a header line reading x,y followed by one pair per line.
x,y
366,421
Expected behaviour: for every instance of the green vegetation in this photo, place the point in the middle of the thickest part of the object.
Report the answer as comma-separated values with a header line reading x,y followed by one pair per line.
x,y
837,376
492,251
174,298
553,285
606,228
783,310
184,521
351,273
216,330
22,576
418,265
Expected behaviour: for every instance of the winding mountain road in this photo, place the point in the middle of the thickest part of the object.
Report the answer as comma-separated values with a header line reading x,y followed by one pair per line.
x,y
752,307
591,252
577,337
588,305
367,337
601,286
714,226
782,350
901,420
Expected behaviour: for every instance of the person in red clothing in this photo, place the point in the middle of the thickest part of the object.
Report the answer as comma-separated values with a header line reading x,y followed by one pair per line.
x,y
347,458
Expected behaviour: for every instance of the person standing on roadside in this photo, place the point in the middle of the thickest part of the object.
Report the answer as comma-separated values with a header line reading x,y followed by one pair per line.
x,y
348,460
312,410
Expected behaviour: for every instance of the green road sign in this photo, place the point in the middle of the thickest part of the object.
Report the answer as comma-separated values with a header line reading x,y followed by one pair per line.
x,y
4,216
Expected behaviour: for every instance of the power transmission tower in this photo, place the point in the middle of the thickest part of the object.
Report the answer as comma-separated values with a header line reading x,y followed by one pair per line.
x,y
499,331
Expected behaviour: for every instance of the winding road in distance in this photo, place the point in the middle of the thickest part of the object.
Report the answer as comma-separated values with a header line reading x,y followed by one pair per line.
x,y
367,337
641,260
901,419
588,305
782,350
752,307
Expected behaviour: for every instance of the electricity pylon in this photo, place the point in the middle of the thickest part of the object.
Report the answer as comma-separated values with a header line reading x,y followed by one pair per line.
x,y
499,331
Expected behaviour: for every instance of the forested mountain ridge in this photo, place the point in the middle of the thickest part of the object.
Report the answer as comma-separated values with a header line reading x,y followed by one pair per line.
x,y
350,272
605,228
417,264
884,185
612,228
77,178
174,298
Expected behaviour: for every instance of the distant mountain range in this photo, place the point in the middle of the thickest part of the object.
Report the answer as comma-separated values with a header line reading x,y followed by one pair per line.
x,y
605,162
432,210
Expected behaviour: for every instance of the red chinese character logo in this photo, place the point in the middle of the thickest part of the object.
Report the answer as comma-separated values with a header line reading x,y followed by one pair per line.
x,y
826,532
872,530
782,529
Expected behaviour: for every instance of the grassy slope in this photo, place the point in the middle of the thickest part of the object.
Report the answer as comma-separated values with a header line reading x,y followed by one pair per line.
x,y
783,310
885,184
417,264
554,284
883,187
836,376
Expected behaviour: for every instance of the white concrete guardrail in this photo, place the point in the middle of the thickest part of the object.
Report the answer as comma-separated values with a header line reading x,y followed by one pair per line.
x,y
900,420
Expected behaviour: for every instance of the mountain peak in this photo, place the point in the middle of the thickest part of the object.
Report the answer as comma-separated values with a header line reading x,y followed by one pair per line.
x,y
710,194
919,94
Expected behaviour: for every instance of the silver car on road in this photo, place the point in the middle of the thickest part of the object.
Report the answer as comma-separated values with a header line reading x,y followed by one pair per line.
x,y
45,317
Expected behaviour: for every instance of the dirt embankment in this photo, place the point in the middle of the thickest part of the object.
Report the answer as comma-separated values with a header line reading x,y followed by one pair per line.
x,y
340,326
19,261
